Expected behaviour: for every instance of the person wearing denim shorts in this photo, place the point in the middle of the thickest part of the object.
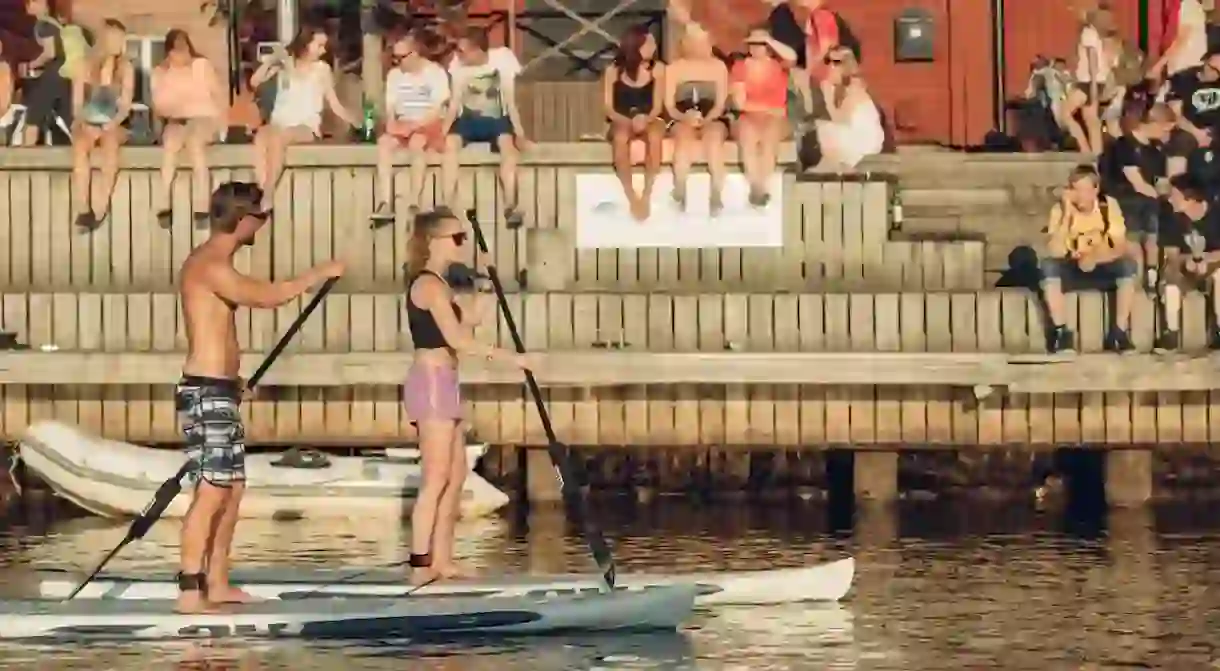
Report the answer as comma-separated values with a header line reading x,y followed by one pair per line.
x,y
484,109
1087,241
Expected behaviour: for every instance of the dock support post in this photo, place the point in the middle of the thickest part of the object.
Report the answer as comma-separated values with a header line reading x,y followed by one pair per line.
x,y
1128,477
875,476
541,483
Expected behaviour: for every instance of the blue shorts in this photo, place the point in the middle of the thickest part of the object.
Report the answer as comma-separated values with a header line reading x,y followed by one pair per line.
x,y
215,435
1066,270
1141,213
474,127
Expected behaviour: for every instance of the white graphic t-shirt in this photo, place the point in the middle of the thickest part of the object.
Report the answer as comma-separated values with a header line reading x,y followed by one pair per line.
x,y
411,95
482,86
1091,44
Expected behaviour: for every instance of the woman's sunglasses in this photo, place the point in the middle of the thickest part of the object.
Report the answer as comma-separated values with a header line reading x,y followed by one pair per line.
x,y
397,59
832,61
458,238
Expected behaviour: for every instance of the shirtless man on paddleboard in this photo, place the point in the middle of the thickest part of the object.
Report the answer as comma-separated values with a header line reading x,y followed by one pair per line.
x,y
210,392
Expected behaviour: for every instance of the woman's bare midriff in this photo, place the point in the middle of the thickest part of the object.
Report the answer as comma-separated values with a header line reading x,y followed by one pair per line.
x,y
441,356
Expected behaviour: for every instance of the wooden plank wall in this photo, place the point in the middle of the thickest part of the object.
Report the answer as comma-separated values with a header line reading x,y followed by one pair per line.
x,y
784,416
562,111
836,237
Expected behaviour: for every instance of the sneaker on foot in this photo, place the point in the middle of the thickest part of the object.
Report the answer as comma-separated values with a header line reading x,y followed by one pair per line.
x,y
1118,340
1213,342
1169,341
1061,341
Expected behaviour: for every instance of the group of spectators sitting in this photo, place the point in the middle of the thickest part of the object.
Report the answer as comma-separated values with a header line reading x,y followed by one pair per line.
x,y
427,109
791,76
1149,213
444,92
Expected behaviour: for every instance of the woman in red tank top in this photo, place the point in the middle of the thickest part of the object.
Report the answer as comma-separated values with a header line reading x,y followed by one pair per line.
x,y
760,92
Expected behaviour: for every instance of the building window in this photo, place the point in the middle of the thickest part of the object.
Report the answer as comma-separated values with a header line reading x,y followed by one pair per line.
x,y
145,52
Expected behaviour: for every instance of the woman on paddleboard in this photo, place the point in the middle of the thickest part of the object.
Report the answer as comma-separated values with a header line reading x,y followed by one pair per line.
x,y
440,330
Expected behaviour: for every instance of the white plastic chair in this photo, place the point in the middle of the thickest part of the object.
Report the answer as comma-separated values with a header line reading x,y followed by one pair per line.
x,y
14,120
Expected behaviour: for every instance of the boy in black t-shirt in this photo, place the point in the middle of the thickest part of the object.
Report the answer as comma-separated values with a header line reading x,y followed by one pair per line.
x,y
1134,164
1194,95
1191,240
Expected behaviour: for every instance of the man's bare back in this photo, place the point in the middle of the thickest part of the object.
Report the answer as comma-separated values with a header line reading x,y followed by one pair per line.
x,y
211,328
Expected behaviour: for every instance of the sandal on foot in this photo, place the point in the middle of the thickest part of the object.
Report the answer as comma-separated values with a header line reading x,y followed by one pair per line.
x,y
382,215
513,219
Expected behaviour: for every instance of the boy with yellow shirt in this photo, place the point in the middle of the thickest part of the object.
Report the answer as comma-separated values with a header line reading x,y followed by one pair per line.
x,y
1087,238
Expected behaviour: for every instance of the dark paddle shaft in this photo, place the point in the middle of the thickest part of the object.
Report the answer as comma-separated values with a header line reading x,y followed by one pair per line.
x,y
170,488
559,458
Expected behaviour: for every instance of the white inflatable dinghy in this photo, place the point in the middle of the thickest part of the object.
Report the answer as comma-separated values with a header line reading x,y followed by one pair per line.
x,y
116,479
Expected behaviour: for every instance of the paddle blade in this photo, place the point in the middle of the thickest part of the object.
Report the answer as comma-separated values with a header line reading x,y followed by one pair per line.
x,y
609,574
164,496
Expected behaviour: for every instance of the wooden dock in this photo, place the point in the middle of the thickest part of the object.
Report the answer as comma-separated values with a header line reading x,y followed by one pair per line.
x,y
846,337
836,232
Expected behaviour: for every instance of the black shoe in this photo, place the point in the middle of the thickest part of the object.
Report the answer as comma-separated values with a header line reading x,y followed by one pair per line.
x,y
1214,342
1061,341
1117,340
1167,342
165,218
513,219
88,222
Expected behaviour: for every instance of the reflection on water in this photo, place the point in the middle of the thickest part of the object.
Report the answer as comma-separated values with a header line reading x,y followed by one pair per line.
x,y
938,586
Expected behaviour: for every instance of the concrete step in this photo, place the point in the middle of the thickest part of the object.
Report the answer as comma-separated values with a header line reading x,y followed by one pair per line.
x,y
935,170
995,229
980,200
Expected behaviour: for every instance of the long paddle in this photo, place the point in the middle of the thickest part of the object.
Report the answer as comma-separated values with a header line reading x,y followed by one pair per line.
x,y
170,488
559,458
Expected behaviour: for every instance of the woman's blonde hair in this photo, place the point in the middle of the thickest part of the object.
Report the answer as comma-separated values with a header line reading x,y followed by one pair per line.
x,y
696,35
423,229
100,61
1101,19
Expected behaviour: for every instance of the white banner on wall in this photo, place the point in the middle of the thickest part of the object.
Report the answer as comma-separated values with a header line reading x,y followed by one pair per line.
x,y
604,219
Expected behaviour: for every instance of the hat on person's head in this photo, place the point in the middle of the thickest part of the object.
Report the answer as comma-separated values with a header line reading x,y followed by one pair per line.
x,y
758,36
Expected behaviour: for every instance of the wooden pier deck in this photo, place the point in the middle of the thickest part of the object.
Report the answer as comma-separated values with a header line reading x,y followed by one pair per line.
x,y
851,335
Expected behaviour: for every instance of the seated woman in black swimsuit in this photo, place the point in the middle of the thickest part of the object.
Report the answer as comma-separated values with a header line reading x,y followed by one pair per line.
x,y
634,108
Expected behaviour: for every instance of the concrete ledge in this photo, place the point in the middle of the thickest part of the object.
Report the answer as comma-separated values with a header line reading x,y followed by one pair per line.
x,y
594,154
984,372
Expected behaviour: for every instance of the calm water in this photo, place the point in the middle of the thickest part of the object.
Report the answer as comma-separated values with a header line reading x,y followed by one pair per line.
x,y
939,586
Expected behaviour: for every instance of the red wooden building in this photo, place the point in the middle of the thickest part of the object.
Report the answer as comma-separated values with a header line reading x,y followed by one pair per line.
x,y
983,48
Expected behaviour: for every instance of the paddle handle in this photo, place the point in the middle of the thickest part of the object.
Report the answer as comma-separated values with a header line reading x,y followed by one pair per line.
x,y
568,484
292,331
